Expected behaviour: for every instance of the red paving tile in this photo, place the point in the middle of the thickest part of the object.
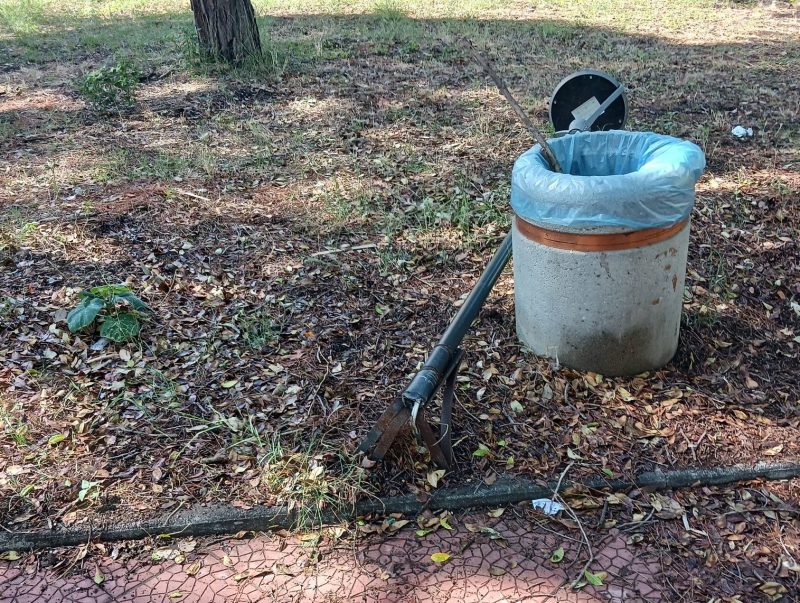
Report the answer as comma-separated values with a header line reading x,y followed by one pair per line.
x,y
386,569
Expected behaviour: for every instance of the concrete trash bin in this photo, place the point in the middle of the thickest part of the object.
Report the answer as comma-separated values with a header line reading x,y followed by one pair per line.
x,y
600,251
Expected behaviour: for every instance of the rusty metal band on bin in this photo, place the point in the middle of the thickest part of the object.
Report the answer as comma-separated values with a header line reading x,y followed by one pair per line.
x,y
597,242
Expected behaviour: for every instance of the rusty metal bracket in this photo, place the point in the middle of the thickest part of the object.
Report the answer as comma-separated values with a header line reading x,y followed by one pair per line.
x,y
405,410
384,432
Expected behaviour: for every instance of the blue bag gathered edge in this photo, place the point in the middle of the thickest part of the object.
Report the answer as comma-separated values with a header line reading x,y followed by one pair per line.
x,y
633,180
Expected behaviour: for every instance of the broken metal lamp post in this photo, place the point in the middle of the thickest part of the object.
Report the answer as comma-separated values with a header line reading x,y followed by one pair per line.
x,y
440,368
579,92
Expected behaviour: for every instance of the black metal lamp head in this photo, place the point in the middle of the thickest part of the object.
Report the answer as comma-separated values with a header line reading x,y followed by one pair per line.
x,y
588,100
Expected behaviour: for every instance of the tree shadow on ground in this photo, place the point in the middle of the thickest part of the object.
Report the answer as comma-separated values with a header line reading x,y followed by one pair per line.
x,y
370,119
380,83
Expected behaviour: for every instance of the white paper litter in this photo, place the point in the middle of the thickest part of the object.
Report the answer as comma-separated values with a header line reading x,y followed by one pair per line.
x,y
547,506
741,132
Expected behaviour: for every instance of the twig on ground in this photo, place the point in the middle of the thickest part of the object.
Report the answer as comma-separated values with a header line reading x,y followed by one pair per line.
x,y
689,444
332,251
180,191
635,524
693,447
586,540
561,479
557,497
82,550
178,508
763,510
218,457
603,513
541,525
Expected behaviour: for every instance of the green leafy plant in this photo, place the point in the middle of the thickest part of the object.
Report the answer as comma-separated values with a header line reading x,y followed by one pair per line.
x,y
118,325
111,89
594,578
482,451
89,490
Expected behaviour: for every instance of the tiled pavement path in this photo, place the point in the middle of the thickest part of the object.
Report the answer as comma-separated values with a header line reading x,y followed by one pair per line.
x,y
387,568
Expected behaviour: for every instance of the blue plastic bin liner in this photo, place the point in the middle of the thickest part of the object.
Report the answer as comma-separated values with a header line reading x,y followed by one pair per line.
x,y
633,180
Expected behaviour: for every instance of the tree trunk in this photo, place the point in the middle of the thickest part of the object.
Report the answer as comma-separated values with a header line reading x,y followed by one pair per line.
x,y
227,29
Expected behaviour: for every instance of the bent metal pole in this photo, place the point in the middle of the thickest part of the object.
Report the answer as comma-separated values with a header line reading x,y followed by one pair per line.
x,y
440,368
442,363
425,383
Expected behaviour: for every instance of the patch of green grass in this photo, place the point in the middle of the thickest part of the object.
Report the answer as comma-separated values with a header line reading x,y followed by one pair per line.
x,y
392,259
390,10
248,435
114,167
700,319
392,223
9,306
260,329
311,478
352,204
7,131
187,46
112,88
554,31
22,17
464,210
159,389
127,164
668,123
716,270
15,229
702,134
44,30
278,55
298,52
739,210
392,29
397,114
259,132
12,426
142,26
270,64
784,194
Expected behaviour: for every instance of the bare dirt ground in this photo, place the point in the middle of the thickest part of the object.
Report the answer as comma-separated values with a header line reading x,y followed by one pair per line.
x,y
266,361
